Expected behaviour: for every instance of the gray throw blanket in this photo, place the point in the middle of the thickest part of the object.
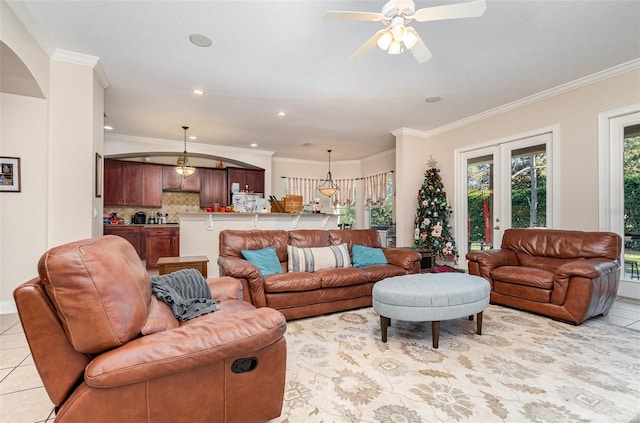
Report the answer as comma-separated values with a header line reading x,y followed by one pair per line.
x,y
186,292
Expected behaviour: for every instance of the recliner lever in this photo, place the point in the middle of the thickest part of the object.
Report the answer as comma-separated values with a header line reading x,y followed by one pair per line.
x,y
244,365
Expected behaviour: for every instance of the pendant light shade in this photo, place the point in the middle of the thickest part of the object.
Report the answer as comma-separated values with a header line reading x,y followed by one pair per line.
x,y
328,187
184,168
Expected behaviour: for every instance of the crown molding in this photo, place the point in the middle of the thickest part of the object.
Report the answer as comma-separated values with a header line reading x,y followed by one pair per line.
x,y
543,95
32,26
83,60
201,147
317,162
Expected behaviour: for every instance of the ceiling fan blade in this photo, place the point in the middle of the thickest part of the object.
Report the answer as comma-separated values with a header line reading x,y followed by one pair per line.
x,y
368,45
470,9
353,16
419,49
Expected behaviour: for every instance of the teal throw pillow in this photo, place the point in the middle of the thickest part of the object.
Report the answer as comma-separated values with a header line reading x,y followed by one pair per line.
x,y
266,260
367,256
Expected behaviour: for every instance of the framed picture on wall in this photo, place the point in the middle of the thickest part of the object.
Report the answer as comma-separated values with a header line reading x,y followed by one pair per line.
x,y
10,174
98,175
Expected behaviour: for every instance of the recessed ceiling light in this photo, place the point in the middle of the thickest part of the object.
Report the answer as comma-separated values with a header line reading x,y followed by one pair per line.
x,y
253,144
282,113
433,99
198,92
200,40
108,127
193,137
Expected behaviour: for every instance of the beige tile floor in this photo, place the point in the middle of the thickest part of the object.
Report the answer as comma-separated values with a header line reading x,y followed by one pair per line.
x,y
24,400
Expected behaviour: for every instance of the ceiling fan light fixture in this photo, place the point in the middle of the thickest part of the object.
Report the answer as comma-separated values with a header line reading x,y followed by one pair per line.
x,y
385,40
183,166
410,40
395,47
328,187
399,32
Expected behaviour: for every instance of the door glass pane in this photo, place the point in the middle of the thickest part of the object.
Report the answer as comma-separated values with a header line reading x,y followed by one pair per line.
x,y
631,201
480,202
529,187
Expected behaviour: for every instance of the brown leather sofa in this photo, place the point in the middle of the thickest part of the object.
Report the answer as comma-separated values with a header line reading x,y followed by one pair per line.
x,y
302,294
567,275
84,320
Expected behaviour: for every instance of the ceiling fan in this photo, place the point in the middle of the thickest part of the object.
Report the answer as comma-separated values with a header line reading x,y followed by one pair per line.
x,y
398,13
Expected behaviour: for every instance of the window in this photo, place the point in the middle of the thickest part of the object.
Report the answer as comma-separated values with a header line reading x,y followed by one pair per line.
x,y
381,215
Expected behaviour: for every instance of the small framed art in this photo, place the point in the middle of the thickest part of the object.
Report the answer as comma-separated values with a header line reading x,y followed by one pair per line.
x,y
98,175
10,174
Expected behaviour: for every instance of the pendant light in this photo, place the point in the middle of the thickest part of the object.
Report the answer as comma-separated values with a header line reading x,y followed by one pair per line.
x,y
184,168
328,187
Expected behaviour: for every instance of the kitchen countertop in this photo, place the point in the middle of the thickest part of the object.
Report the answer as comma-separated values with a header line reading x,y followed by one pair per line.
x,y
144,225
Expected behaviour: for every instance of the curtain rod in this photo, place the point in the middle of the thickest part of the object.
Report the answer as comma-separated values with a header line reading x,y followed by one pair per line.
x,y
355,179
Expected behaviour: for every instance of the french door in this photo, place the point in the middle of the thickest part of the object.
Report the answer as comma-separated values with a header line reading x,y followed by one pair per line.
x,y
506,184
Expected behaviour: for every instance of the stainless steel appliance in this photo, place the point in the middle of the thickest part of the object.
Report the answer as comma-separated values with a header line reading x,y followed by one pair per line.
x,y
247,203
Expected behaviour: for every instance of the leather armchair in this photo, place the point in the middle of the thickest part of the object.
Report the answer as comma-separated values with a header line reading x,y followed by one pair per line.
x,y
567,275
108,351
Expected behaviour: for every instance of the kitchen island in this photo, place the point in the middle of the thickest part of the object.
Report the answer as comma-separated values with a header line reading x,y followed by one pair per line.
x,y
199,232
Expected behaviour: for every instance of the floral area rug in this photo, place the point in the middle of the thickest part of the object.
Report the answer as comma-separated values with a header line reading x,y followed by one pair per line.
x,y
523,368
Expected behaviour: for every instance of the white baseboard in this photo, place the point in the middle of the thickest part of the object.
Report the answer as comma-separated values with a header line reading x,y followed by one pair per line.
x,y
629,289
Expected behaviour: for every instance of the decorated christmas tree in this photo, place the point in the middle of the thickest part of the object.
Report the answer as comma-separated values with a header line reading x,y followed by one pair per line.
x,y
432,227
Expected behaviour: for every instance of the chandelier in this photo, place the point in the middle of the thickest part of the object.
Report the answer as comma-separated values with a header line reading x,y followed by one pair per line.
x,y
328,187
184,168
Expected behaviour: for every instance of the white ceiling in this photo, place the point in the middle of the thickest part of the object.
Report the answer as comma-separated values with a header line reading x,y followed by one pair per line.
x,y
269,56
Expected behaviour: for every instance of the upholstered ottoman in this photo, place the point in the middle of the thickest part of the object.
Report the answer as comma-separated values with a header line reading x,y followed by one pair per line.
x,y
430,297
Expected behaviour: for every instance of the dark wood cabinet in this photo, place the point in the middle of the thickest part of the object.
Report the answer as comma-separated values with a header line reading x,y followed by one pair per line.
x,y
133,234
151,185
122,183
253,178
213,187
161,242
132,184
173,181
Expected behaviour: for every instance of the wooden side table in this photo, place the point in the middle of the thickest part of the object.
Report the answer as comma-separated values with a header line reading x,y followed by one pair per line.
x,y
172,264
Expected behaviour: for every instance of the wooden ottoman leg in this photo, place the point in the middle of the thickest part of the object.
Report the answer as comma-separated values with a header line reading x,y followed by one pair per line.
x,y
384,324
435,333
479,324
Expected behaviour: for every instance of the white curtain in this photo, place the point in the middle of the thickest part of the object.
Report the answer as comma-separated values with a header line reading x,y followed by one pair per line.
x,y
344,196
375,188
306,187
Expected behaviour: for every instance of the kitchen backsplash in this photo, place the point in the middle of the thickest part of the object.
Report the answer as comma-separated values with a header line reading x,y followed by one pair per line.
x,y
173,204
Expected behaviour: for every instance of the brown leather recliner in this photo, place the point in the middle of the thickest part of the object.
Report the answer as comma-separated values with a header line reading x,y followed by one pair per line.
x,y
567,275
108,351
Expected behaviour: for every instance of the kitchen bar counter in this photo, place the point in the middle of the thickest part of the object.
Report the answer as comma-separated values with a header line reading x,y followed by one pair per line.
x,y
200,232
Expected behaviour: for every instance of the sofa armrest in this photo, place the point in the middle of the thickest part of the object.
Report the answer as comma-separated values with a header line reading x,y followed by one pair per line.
x,y
241,269
225,288
405,258
197,344
481,263
592,269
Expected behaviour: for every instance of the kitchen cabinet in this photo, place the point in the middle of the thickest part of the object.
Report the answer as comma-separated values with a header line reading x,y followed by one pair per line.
x,y
213,187
132,184
122,182
161,242
254,178
151,185
133,234
173,181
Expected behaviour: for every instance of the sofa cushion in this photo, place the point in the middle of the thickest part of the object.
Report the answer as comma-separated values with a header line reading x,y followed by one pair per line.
x,y
331,278
265,259
366,237
91,282
160,318
292,281
318,258
367,256
304,238
382,271
529,276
